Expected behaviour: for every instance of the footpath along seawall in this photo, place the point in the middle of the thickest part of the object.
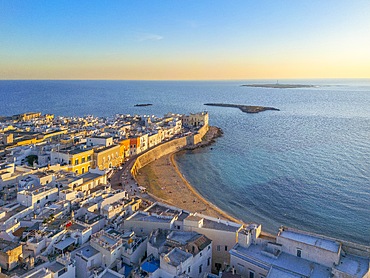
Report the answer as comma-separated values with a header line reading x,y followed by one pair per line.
x,y
167,148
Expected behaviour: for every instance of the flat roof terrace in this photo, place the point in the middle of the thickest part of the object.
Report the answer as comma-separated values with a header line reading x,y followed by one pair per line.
x,y
89,176
210,224
289,263
140,216
103,149
75,150
87,251
326,244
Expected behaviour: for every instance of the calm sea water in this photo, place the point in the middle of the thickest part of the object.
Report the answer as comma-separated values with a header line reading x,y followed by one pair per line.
x,y
306,166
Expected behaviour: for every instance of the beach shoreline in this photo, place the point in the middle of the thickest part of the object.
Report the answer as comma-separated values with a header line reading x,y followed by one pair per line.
x,y
164,182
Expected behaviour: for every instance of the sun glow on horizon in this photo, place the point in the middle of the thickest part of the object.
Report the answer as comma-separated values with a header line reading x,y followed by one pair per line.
x,y
210,40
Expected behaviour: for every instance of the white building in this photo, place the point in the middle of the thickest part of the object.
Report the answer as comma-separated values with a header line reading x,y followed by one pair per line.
x,y
221,232
180,254
294,254
109,245
86,259
37,196
195,120
143,223
100,141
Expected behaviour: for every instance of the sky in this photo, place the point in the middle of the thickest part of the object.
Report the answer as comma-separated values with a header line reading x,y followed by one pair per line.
x,y
184,40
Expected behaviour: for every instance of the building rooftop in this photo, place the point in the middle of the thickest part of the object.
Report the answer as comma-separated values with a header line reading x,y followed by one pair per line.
x,y
176,256
103,149
75,149
41,273
55,267
87,251
353,265
221,225
76,226
253,254
142,216
150,266
110,274
279,273
64,243
182,237
162,209
89,176
106,240
101,137
326,244
6,245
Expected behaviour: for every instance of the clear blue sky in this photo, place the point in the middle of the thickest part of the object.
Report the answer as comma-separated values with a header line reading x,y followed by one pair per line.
x,y
212,39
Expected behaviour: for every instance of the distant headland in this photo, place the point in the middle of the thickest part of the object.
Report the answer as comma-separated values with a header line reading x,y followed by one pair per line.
x,y
278,86
244,108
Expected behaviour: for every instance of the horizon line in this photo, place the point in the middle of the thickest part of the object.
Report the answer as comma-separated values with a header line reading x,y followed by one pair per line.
x,y
192,80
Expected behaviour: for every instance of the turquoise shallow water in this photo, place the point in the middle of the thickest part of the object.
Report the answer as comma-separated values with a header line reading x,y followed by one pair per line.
x,y
306,166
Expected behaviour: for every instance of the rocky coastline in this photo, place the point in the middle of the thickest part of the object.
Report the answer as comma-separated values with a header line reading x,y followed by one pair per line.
x,y
209,138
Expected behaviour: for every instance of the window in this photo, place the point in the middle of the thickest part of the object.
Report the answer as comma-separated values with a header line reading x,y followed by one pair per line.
x,y
218,248
89,158
209,247
76,161
82,160
299,253
251,274
188,269
225,247
47,197
200,254
200,268
209,261
38,201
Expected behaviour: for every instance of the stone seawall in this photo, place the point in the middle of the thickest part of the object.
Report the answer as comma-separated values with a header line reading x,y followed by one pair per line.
x,y
167,148
201,132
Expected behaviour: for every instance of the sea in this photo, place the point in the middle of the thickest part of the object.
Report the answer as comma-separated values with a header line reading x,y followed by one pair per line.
x,y
306,166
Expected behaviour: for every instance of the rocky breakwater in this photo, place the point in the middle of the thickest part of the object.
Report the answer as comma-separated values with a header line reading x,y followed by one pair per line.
x,y
244,108
208,139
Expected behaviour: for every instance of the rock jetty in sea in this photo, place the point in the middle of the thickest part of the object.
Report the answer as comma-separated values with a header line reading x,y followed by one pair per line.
x,y
143,104
279,86
244,108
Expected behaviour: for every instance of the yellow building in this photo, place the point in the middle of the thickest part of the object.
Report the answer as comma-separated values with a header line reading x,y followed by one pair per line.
x,y
107,157
26,140
54,134
79,159
9,254
124,150
27,116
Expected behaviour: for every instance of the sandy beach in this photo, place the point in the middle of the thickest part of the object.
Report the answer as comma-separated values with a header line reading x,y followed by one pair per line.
x,y
164,182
